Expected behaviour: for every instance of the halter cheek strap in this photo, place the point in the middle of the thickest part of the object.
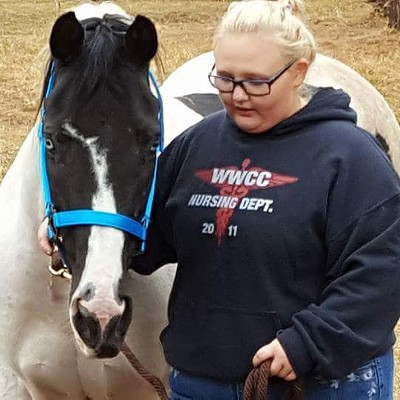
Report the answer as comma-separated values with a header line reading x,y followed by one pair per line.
x,y
59,219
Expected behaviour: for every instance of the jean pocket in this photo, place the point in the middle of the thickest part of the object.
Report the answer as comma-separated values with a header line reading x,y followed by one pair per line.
x,y
180,383
362,383
378,372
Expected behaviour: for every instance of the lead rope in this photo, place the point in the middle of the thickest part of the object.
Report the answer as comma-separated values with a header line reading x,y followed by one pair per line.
x,y
256,385
151,379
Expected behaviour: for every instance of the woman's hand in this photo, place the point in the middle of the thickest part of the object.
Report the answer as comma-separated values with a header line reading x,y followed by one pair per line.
x,y
280,365
43,239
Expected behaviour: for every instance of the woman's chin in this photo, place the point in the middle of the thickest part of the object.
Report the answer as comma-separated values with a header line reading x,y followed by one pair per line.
x,y
248,123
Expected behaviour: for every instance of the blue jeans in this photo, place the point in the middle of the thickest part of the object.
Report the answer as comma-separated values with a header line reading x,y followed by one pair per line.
x,y
372,381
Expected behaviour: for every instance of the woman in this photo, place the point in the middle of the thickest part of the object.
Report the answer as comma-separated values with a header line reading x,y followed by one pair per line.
x,y
283,217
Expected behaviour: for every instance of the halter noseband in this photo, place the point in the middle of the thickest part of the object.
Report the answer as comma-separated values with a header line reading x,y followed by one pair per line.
x,y
59,219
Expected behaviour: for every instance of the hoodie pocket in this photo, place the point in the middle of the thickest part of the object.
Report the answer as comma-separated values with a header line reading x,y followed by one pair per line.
x,y
238,327
218,342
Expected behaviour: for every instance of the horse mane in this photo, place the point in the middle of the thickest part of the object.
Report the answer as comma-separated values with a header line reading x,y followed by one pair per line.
x,y
44,86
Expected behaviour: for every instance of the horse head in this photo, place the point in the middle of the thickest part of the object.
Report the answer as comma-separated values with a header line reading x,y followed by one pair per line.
x,y
100,129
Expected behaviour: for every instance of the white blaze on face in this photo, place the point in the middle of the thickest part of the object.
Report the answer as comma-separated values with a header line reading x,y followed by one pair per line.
x,y
103,266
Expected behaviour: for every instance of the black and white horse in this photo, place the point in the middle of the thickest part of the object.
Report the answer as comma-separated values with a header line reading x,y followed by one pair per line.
x,y
101,129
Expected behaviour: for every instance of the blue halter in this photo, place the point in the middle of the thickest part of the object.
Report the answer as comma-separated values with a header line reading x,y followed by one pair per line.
x,y
61,219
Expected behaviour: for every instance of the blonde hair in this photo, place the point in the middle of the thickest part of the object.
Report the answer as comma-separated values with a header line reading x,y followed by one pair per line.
x,y
278,19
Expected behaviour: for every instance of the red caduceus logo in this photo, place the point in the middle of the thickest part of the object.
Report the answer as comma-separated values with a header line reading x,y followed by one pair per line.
x,y
236,182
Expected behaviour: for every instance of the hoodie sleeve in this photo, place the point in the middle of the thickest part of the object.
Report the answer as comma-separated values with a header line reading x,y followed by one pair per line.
x,y
159,243
353,320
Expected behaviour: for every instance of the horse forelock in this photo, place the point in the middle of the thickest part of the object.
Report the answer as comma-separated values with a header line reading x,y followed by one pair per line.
x,y
103,24
102,45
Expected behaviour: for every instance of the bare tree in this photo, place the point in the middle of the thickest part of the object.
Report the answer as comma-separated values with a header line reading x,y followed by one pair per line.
x,y
394,13
391,9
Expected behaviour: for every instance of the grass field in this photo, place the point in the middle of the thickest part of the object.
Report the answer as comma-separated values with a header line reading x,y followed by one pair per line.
x,y
349,30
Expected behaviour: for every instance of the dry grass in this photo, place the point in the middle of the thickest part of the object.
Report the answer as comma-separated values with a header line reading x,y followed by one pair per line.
x,y
349,30
346,29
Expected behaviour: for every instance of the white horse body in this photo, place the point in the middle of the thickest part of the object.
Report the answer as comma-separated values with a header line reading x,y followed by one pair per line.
x,y
38,355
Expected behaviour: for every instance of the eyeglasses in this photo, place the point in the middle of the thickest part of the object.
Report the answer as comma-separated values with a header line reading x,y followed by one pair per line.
x,y
253,87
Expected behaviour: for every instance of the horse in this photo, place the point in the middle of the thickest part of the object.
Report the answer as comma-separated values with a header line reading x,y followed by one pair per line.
x,y
188,84
61,340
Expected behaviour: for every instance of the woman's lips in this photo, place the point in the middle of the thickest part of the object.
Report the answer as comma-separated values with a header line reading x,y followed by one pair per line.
x,y
243,111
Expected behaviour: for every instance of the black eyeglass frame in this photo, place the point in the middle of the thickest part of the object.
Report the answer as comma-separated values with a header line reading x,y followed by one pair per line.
x,y
269,82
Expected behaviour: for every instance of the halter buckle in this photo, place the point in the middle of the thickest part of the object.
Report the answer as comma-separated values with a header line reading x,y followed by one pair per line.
x,y
62,273
57,266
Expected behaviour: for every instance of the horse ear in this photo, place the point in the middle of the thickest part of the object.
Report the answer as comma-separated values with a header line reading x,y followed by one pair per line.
x,y
66,37
141,39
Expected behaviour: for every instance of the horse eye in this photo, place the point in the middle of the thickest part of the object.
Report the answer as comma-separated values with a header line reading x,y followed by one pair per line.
x,y
49,144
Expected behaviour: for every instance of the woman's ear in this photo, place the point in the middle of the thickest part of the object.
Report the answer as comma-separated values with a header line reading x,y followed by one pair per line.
x,y
299,71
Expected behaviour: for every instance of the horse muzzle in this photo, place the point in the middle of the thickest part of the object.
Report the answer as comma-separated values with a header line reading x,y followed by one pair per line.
x,y
100,332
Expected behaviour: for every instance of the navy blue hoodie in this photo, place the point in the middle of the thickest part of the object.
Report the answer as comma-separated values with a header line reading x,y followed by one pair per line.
x,y
293,233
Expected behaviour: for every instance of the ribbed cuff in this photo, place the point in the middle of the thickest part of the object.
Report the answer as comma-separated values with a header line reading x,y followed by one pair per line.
x,y
296,351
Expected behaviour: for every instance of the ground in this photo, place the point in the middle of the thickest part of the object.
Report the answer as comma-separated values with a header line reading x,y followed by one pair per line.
x,y
349,30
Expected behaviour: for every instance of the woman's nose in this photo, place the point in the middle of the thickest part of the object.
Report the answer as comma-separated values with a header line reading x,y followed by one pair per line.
x,y
239,94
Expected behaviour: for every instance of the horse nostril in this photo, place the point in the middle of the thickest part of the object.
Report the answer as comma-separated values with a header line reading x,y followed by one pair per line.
x,y
87,326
